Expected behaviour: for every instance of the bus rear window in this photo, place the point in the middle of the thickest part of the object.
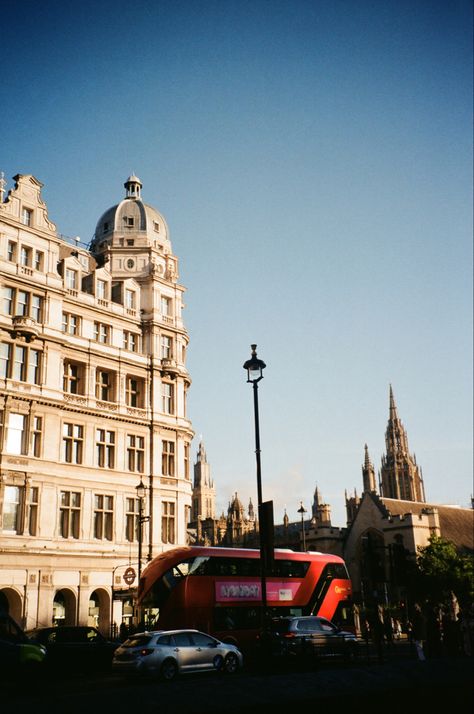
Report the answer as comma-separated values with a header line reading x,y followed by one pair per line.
x,y
246,567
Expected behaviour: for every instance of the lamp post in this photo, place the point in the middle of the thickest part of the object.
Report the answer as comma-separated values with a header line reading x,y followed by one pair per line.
x,y
255,367
141,492
302,510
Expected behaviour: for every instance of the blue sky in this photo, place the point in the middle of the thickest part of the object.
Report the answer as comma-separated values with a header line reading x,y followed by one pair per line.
x,y
314,163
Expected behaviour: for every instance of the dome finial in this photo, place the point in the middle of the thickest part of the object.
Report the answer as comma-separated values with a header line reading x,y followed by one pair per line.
x,y
133,186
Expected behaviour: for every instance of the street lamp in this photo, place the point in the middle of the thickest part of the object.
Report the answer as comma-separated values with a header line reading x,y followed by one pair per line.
x,y
255,367
141,492
302,510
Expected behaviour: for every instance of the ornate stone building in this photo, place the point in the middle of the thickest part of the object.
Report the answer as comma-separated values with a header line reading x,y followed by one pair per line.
x,y
93,385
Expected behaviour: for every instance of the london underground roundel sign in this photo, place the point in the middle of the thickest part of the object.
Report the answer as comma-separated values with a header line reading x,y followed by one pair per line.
x,y
129,576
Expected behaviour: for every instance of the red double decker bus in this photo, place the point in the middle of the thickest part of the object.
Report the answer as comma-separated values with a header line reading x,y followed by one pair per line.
x,y
218,590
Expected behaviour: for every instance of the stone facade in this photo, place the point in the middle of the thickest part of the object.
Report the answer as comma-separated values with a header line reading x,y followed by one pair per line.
x,y
93,385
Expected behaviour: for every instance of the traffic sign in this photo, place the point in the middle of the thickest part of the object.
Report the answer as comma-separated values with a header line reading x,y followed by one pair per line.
x,y
129,576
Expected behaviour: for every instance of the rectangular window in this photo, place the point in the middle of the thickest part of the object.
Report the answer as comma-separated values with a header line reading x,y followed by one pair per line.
x,y
11,251
131,519
32,515
73,378
37,433
101,289
167,393
130,341
167,459
135,453
104,385
36,305
166,352
130,299
5,350
165,306
19,364
101,333
16,441
186,462
134,392
70,324
34,367
22,303
71,279
103,517
39,260
11,508
26,216
8,301
26,256
73,438
70,514
167,522
105,446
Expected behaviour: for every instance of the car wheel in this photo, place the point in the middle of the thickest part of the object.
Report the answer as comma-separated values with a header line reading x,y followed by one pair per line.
x,y
231,663
218,663
169,670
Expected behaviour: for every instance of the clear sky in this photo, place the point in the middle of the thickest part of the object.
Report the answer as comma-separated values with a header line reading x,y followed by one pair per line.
x,y
313,160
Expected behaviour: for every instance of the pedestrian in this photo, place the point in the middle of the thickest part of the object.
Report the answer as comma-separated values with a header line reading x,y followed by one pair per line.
x,y
123,631
419,632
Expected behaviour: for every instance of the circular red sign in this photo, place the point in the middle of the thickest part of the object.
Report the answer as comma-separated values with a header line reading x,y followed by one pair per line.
x,y
129,576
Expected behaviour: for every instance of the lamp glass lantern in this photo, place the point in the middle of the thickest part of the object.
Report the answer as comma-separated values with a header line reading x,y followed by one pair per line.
x,y
254,367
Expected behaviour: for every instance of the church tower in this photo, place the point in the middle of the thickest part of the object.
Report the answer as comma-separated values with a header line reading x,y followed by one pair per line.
x,y
400,475
204,492
321,512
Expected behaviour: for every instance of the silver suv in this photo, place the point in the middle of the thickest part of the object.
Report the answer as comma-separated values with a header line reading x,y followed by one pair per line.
x,y
168,653
311,635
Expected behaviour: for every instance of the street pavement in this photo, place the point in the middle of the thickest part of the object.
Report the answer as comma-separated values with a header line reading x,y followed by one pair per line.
x,y
395,682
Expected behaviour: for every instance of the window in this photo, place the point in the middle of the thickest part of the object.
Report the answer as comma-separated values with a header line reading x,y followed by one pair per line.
x,y
39,260
11,509
166,347
130,341
101,289
167,458
69,514
134,392
22,303
156,226
33,369
167,393
73,438
21,363
105,445
131,519
11,251
26,216
104,385
32,514
135,453
167,522
165,306
16,431
186,461
35,309
70,324
26,256
36,434
128,221
73,378
130,299
105,227
5,349
71,279
103,517
101,333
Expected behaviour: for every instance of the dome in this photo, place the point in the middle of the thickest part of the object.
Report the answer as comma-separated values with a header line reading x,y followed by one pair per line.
x,y
131,217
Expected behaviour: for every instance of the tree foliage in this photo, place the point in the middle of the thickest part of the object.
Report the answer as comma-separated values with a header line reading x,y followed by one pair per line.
x,y
441,570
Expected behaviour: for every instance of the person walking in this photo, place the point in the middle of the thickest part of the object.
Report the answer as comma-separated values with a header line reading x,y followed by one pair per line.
x,y
419,632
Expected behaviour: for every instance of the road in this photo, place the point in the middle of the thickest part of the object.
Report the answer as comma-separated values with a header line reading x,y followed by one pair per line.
x,y
393,685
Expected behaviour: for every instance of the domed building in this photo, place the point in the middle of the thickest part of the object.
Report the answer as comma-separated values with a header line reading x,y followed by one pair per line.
x,y
93,385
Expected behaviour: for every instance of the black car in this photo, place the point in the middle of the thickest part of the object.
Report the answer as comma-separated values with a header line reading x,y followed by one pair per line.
x,y
75,648
18,655
310,635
